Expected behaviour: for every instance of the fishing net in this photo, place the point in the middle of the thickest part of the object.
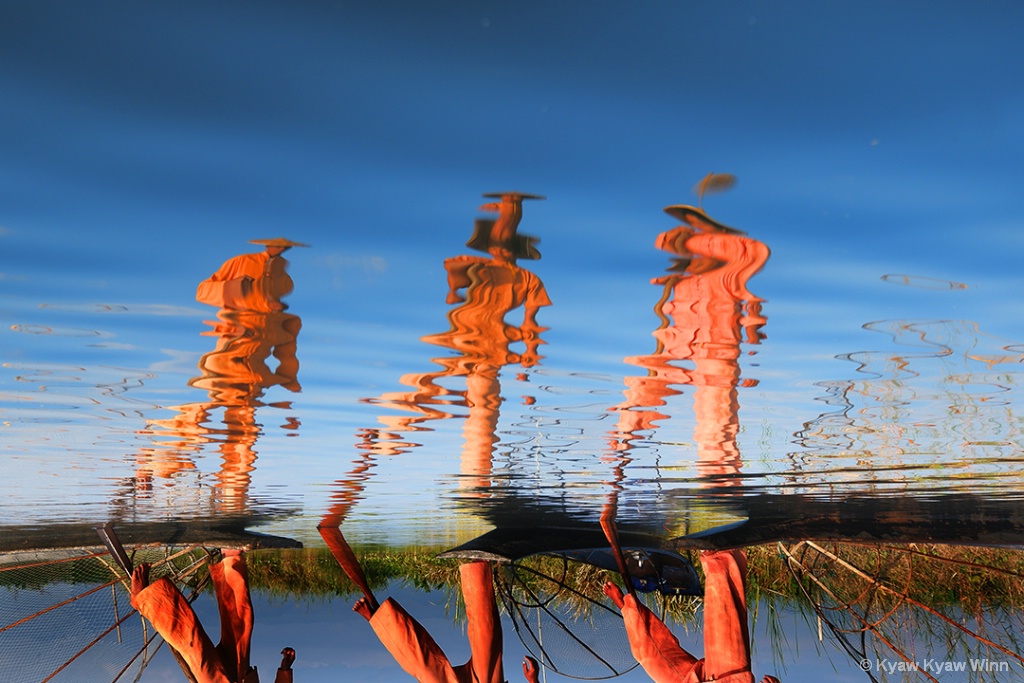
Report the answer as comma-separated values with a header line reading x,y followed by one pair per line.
x,y
560,613
896,608
66,615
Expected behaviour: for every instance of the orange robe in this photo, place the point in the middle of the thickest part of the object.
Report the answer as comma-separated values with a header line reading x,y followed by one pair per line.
x,y
421,657
269,282
726,638
173,617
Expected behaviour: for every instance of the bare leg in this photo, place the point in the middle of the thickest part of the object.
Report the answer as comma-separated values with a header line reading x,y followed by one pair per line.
x,y
611,532
230,579
483,622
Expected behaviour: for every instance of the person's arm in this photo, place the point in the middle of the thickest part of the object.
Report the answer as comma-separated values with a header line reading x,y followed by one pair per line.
x,y
530,670
230,285
284,672
173,618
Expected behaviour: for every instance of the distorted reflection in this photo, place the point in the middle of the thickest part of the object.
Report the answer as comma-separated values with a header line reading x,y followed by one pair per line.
x,y
706,313
252,327
251,282
486,290
934,412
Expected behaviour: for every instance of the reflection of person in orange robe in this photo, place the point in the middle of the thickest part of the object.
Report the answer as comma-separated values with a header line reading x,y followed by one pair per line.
x,y
707,312
251,282
487,290
173,617
251,327
412,646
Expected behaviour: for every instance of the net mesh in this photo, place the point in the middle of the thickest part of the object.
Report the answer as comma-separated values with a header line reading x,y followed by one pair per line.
x,y
560,620
66,615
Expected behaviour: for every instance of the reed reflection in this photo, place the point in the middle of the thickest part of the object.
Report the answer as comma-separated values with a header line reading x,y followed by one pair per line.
x,y
932,411
485,290
707,312
252,327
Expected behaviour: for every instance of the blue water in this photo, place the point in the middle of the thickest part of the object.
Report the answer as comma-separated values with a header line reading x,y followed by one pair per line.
x,y
877,154
143,147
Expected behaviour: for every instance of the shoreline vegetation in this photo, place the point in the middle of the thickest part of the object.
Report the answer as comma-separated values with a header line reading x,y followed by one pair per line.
x,y
968,578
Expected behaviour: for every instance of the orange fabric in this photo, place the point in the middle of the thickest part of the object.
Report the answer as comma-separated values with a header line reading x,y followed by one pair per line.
x,y
482,340
421,657
478,331
655,647
726,638
173,618
236,370
493,289
707,312
410,644
231,583
269,282
235,374
484,623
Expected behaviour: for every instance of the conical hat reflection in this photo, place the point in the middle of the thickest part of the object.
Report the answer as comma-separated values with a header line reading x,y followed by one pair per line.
x,y
707,313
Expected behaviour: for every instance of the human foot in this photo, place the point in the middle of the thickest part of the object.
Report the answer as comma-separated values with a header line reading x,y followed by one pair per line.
x,y
364,608
614,592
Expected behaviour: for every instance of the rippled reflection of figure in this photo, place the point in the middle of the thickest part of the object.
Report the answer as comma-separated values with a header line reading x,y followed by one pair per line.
x,y
413,648
486,291
173,618
493,287
251,328
707,313
251,282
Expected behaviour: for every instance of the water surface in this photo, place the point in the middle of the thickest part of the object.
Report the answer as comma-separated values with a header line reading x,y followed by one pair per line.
x,y
871,350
